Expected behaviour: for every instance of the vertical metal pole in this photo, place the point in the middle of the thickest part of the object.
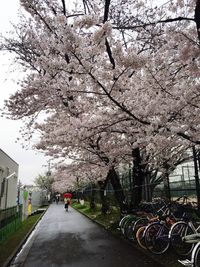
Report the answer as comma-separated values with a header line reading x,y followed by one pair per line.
x,y
148,186
196,175
166,184
18,194
130,178
6,193
189,176
49,166
198,158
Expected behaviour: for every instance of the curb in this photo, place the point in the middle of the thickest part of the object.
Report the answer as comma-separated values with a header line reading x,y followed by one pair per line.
x,y
17,249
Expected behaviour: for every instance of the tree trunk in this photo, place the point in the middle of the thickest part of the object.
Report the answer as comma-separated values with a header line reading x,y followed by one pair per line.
x,y
104,200
92,198
138,179
118,190
77,196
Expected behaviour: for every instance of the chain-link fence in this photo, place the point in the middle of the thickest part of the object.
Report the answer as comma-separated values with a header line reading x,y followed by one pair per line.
x,y
10,221
181,183
178,189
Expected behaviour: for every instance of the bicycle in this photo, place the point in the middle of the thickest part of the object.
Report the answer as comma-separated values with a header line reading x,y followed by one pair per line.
x,y
128,224
177,233
156,235
156,231
141,226
195,257
140,218
140,232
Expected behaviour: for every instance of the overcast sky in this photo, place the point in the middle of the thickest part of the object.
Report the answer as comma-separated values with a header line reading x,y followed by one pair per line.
x,y
31,164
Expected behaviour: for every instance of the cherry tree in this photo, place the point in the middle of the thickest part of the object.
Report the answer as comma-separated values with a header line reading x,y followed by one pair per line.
x,y
76,140
132,65
57,40
44,183
80,140
79,175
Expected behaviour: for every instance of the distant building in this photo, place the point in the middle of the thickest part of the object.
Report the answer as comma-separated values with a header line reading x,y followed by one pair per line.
x,y
32,198
8,180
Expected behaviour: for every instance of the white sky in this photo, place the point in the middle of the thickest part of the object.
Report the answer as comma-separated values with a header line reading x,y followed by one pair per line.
x,y
31,164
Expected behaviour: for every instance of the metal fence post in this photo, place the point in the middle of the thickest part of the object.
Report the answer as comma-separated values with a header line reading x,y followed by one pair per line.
x,y
196,175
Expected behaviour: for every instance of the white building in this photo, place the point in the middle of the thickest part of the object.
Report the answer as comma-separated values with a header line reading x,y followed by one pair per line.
x,y
30,194
8,180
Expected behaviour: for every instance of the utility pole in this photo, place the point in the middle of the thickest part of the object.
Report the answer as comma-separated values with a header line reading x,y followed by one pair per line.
x,y
49,169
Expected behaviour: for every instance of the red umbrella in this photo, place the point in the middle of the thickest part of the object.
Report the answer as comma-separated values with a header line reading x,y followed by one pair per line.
x,y
67,195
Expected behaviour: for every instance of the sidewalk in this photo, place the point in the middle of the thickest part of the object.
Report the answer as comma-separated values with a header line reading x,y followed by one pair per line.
x,y
69,239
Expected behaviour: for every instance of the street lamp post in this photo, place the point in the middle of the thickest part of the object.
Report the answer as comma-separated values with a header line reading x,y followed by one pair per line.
x,y
48,175
49,169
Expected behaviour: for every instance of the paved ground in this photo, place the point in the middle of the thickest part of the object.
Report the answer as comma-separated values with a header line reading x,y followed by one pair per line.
x,y
69,239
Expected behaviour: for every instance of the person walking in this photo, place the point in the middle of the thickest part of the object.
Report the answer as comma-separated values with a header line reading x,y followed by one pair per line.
x,y
57,198
67,202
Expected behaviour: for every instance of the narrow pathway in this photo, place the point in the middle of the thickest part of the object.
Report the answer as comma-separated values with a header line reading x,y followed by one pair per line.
x,y
69,239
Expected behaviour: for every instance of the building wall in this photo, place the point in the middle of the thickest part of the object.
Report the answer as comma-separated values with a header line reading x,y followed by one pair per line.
x,y
34,196
8,187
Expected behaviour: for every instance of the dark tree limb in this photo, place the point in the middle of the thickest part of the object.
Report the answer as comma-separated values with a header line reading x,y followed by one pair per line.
x,y
129,27
189,138
197,17
106,10
110,54
64,7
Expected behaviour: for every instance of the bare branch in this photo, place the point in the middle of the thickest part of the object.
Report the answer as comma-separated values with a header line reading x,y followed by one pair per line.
x,y
153,23
110,53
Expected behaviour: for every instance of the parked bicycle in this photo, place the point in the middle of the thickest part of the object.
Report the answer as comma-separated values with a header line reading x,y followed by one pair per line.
x,y
155,235
129,224
177,233
195,257
158,233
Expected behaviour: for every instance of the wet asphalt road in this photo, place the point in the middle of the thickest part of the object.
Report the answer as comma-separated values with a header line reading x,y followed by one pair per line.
x,y
69,239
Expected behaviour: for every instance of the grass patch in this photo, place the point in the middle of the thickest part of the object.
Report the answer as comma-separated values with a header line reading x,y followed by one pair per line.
x,y
8,246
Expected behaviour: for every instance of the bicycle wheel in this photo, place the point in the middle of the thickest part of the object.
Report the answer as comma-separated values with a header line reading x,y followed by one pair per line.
x,y
176,234
140,237
196,256
138,224
156,237
128,228
122,222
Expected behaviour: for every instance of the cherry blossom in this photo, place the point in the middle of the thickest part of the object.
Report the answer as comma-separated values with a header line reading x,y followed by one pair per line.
x,y
112,79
